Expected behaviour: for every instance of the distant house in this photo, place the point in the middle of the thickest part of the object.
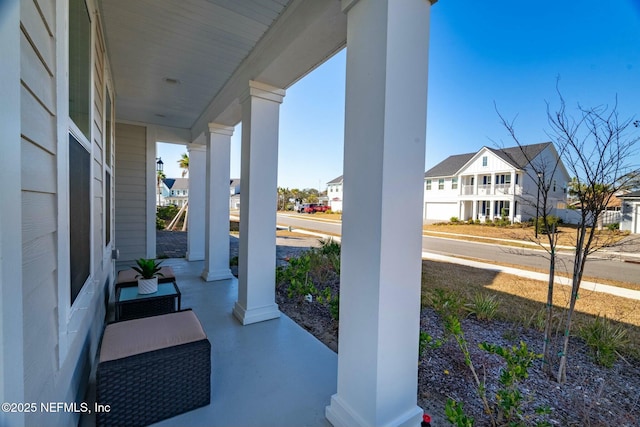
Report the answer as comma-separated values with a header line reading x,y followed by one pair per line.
x,y
630,212
175,191
334,194
234,194
492,183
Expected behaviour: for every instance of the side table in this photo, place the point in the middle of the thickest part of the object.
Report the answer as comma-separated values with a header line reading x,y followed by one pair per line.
x,y
132,305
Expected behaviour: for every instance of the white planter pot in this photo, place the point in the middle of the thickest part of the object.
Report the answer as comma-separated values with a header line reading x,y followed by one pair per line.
x,y
147,286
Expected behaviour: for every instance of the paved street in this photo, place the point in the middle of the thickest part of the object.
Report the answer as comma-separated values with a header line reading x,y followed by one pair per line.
x,y
599,264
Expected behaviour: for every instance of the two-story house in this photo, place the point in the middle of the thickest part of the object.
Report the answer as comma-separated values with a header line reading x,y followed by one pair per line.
x,y
495,183
234,193
334,194
176,191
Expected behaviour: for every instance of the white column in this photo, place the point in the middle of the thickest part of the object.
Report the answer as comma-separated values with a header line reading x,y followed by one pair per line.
x,y
512,192
197,188
258,196
216,247
385,127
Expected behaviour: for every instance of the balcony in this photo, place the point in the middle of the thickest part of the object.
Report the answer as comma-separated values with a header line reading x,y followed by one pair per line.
x,y
270,373
485,190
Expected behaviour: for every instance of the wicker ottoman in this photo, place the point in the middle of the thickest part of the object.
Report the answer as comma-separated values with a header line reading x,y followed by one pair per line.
x,y
153,368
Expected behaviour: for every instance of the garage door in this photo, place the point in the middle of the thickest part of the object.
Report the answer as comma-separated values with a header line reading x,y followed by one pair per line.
x,y
440,211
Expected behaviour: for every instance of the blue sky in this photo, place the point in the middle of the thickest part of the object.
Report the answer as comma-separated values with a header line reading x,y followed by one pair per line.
x,y
481,52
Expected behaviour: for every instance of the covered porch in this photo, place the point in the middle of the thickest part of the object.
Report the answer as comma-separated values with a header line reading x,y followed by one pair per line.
x,y
269,373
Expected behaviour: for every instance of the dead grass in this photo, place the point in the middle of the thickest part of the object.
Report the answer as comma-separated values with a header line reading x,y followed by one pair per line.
x,y
566,233
529,297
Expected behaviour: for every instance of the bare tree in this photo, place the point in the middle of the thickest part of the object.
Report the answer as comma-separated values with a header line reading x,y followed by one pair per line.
x,y
542,170
597,149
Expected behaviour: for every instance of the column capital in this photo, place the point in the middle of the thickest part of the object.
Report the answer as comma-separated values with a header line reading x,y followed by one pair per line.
x,y
221,129
196,147
264,91
348,4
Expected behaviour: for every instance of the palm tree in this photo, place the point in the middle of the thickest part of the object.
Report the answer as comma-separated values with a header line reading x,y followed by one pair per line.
x,y
183,163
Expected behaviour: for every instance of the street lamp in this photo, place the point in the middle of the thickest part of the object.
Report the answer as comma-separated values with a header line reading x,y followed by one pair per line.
x,y
538,203
159,168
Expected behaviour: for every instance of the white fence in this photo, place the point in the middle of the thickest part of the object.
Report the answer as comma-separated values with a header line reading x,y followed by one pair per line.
x,y
574,216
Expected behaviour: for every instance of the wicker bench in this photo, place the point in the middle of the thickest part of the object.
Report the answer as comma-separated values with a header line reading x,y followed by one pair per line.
x,y
153,368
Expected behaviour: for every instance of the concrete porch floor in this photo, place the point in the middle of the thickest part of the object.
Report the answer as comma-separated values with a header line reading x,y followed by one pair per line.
x,y
271,373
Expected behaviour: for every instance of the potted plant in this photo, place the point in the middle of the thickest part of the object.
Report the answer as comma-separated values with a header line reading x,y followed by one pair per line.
x,y
148,271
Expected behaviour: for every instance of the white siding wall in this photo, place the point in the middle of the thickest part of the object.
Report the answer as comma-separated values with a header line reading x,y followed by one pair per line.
x,y
494,164
131,204
59,341
39,202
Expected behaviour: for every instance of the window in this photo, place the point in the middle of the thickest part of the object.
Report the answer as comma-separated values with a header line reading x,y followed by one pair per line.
x,y
484,160
441,184
502,208
428,184
517,178
454,183
554,185
80,65
107,129
503,179
107,207
79,215
486,180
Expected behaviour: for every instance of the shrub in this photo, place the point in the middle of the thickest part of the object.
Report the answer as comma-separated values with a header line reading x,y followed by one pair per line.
x,y
613,226
484,306
605,339
454,220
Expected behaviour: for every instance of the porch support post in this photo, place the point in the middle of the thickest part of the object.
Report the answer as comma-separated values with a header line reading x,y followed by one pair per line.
x,y
258,194
197,188
385,127
216,248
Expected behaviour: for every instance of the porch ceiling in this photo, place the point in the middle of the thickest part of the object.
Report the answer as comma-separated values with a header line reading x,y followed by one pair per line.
x,y
180,64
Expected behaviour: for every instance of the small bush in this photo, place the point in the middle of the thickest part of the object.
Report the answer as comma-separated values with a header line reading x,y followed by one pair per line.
x,y
447,303
613,226
454,220
484,306
605,339
160,224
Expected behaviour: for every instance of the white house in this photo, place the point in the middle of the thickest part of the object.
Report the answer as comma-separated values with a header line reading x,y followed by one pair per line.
x,y
494,183
234,194
630,212
176,191
88,89
334,194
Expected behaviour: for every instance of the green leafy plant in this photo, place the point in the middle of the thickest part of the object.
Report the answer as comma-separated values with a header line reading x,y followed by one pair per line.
x,y
509,399
148,268
454,412
484,306
604,339
454,220
426,341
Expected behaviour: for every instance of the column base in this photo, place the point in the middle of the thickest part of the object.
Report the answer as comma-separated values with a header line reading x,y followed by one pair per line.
x,y
340,414
212,276
195,256
255,315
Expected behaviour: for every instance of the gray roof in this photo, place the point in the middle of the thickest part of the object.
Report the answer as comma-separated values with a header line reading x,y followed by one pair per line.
x,y
634,195
449,166
337,180
516,156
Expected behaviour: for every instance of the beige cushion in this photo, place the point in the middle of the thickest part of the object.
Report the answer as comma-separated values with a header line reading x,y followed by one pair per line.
x,y
123,339
127,276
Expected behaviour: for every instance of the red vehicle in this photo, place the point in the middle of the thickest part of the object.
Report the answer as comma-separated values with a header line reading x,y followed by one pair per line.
x,y
309,208
322,208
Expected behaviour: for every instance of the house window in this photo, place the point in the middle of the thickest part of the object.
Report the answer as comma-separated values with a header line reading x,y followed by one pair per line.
x,y
80,65
441,184
107,207
454,183
428,184
503,179
554,185
486,180
79,215
484,160
517,178
486,208
502,208
107,129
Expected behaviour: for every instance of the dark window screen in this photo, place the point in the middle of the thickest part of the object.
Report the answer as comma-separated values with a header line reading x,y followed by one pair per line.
x,y
107,207
79,215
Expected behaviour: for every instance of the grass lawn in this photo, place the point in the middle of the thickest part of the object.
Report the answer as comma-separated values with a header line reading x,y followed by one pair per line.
x,y
529,296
